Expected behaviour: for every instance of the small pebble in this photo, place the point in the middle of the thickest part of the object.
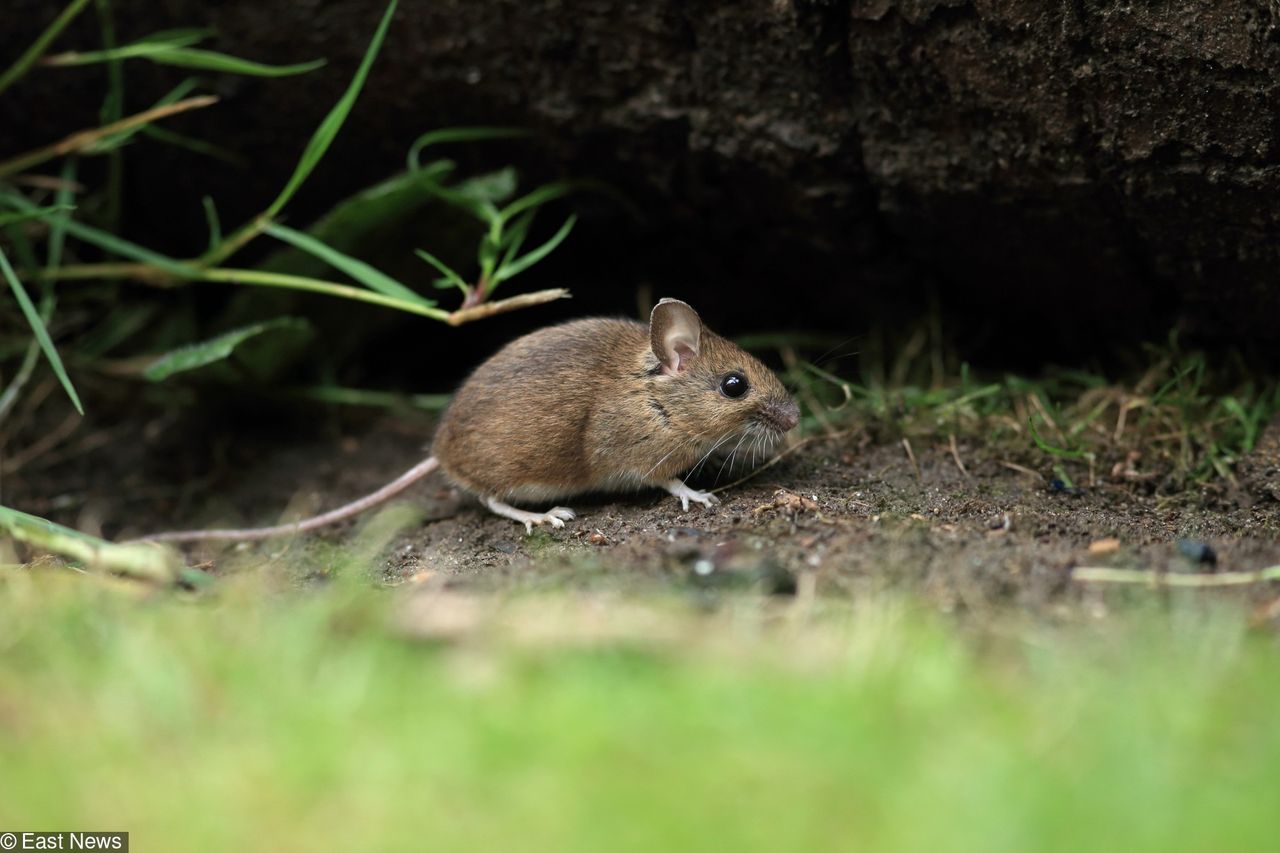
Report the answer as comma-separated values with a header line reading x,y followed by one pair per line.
x,y
1198,552
1057,486
1098,547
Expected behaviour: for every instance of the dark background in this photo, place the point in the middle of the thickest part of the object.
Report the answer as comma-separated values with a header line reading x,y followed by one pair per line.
x,y
1062,181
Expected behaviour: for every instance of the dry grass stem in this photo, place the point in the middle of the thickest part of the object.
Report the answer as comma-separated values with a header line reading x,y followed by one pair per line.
x,y
911,455
82,139
488,309
1102,574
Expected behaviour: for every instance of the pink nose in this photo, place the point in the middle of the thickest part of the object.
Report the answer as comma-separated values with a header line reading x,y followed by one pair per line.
x,y
781,415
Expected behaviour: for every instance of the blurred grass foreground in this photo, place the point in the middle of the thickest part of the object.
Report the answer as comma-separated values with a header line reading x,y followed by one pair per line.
x,y
269,718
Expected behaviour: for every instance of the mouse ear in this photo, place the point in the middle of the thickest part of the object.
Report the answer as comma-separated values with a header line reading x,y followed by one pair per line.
x,y
675,331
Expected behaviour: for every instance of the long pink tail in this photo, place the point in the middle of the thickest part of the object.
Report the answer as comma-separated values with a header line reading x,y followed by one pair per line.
x,y
404,481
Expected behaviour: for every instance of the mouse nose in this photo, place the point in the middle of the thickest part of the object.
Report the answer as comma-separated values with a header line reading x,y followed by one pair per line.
x,y
782,415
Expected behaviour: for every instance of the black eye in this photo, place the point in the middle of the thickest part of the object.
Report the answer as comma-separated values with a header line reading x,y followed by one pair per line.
x,y
734,385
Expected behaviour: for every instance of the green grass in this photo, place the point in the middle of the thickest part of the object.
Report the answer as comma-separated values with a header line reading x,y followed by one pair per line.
x,y
1181,419
263,717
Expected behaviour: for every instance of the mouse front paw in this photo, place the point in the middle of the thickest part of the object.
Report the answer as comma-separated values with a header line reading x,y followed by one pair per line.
x,y
684,494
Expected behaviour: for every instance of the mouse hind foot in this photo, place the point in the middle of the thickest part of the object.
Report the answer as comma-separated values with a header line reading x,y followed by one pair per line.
x,y
556,516
684,494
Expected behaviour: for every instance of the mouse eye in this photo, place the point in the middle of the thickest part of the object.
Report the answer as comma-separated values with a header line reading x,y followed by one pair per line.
x,y
734,385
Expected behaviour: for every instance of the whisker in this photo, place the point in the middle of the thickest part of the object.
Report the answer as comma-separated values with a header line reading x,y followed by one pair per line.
x,y
822,359
679,446
829,357
707,455
730,459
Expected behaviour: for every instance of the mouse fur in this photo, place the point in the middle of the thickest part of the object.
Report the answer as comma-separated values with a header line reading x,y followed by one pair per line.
x,y
606,405
593,405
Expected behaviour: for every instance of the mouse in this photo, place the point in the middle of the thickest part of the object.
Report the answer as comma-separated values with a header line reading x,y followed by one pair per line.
x,y
594,405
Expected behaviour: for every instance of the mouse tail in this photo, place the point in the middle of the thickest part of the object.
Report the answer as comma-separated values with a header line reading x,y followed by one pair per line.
x,y
248,534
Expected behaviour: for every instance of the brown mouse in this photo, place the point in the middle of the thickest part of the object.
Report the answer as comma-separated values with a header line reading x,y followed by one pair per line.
x,y
592,405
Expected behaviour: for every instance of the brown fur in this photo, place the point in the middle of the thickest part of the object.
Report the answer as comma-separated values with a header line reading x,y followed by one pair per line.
x,y
585,406
592,405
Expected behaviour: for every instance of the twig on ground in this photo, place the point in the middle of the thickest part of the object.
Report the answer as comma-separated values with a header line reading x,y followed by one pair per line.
x,y
1101,574
911,455
1022,469
955,454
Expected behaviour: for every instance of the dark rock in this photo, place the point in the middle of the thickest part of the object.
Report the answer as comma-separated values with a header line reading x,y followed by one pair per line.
x,y
1058,486
1060,175
1198,552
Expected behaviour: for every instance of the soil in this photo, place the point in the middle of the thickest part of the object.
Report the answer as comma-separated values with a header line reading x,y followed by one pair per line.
x,y
842,515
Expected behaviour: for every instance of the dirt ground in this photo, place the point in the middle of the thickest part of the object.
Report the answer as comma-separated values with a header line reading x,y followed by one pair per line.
x,y
840,515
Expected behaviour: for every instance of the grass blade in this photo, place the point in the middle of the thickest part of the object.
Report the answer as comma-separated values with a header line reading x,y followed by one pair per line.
x,y
47,303
366,397
115,141
487,258
452,277
39,330
1061,452
142,560
312,154
38,213
112,110
155,43
458,134
259,278
174,47
480,208
513,239
356,222
357,269
211,217
514,235
493,187
58,225
24,62
207,60
521,264
215,349
539,197
475,195
109,242
328,129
